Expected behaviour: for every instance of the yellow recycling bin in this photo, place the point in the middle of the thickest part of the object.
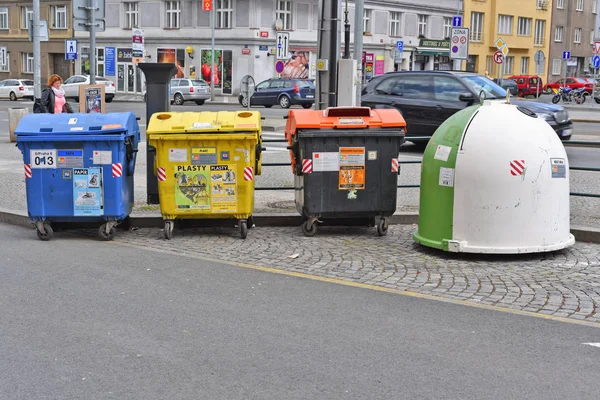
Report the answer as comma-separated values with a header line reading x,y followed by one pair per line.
x,y
205,165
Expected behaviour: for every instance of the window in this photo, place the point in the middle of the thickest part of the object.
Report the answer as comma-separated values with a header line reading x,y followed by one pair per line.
x,y
476,26
558,34
525,65
27,59
395,23
131,15
579,6
225,14
59,17
508,65
6,67
447,88
577,35
422,25
367,20
26,16
542,4
447,27
560,4
505,23
4,18
490,65
524,26
284,13
540,27
173,13
556,64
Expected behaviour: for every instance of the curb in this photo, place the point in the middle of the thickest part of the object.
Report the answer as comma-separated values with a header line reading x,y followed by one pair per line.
x,y
588,121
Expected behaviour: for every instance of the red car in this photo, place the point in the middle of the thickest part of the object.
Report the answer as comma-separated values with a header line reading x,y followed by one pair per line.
x,y
573,83
528,85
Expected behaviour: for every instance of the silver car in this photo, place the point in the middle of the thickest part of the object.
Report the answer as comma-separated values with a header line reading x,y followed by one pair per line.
x,y
16,88
183,90
71,86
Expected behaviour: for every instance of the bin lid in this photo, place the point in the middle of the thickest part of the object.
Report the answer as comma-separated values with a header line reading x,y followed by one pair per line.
x,y
204,122
344,117
77,124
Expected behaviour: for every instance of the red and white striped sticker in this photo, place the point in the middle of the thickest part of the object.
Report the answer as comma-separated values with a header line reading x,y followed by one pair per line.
x,y
117,170
162,174
517,167
394,165
28,171
248,174
307,166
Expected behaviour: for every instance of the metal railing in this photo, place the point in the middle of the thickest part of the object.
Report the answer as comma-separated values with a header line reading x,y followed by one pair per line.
x,y
573,143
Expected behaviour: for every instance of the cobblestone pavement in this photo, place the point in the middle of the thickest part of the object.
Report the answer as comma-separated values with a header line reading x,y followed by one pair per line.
x,y
562,284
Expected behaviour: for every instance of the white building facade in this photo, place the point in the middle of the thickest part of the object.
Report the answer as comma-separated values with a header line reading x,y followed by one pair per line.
x,y
179,31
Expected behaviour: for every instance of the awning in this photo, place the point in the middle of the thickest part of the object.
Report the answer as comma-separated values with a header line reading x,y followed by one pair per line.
x,y
432,51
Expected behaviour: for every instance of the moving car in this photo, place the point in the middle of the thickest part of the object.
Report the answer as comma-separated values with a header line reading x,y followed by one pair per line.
x,y
71,86
427,98
16,88
183,90
283,92
573,83
508,84
529,85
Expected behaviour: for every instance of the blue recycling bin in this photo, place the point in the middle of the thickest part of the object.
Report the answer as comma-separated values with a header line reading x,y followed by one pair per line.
x,y
79,168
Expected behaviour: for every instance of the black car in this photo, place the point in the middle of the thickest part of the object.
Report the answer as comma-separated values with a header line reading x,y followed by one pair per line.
x,y
427,98
508,84
283,92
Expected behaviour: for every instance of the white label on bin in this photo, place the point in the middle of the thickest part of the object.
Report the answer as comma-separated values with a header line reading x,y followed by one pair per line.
x,y
178,155
76,128
447,177
102,157
326,161
352,156
202,125
72,121
442,153
43,158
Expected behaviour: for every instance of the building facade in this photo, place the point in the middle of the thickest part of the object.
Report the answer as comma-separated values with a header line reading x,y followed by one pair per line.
x,y
15,19
245,38
573,29
523,25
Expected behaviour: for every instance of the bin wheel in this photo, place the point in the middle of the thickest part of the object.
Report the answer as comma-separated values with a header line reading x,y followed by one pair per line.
x,y
47,234
309,228
169,225
243,229
382,227
106,236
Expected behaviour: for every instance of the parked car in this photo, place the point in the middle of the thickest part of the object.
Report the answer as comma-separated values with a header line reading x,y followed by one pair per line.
x,y
16,88
183,90
283,92
72,84
508,84
529,85
573,83
427,98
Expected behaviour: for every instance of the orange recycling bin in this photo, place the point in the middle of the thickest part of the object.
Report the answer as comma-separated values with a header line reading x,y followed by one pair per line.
x,y
345,164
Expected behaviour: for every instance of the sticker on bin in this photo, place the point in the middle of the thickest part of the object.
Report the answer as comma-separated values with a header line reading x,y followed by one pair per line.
x,y
178,155
517,167
202,125
100,157
394,165
248,174
70,158
352,177
117,170
559,167
352,156
43,158
28,171
326,161
442,153
447,177
87,192
351,121
204,155
161,174
307,166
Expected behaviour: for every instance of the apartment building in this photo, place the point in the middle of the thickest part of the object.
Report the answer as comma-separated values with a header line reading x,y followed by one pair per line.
x,y
15,19
524,25
573,29
179,31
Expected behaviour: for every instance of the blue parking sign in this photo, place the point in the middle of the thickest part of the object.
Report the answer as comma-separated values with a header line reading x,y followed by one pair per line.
x,y
400,45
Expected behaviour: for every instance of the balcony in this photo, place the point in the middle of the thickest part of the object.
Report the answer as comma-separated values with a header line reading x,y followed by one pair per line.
x,y
476,37
542,4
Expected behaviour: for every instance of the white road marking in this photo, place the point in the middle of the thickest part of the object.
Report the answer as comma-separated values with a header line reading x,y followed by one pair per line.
x,y
592,344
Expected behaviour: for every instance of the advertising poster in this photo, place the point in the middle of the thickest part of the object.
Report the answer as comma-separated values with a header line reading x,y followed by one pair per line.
x,y
368,66
173,56
222,68
211,188
91,99
297,66
109,64
87,192
379,64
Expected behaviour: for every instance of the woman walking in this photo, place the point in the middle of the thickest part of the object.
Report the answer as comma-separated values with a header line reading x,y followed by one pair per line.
x,y
53,98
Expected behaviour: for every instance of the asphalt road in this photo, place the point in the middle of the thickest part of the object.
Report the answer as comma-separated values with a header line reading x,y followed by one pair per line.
x,y
87,319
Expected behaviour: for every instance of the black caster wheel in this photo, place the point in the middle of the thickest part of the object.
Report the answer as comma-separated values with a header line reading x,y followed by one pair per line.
x,y
251,223
47,234
244,229
382,227
309,229
106,236
169,225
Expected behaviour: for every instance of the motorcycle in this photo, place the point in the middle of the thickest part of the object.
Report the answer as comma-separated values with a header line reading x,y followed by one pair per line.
x,y
564,93
579,95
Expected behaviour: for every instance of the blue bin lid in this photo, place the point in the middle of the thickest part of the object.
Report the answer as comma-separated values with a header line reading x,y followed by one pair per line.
x,y
77,124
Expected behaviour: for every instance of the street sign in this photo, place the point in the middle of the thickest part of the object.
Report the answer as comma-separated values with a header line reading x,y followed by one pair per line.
x,y
3,52
70,49
498,57
459,44
502,46
457,21
596,61
400,45
206,5
283,42
81,15
43,31
137,43
566,55
247,88
539,56
279,65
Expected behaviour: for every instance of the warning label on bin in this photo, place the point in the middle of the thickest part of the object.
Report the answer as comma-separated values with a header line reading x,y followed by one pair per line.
x,y
559,167
69,158
352,156
204,155
329,161
352,177
87,192
206,188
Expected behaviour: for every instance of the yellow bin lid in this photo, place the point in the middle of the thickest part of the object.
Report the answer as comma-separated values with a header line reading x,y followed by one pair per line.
x,y
204,122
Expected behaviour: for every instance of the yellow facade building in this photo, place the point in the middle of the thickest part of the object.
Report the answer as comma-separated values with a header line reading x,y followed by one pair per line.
x,y
524,25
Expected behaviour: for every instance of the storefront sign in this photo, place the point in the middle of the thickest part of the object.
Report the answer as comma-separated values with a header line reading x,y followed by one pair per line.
x,y
379,64
437,44
124,54
109,64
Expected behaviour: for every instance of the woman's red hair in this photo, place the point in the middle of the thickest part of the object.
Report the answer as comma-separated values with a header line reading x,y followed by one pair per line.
x,y
52,79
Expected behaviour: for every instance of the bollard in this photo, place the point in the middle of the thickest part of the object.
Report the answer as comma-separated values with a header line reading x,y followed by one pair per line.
x,y
14,117
158,99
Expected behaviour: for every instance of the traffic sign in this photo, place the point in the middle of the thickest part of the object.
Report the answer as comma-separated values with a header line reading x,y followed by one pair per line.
x,y
457,21
400,45
70,49
279,65
283,42
597,48
81,15
459,44
566,55
596,61
498,57
206,5
3,52
539,56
